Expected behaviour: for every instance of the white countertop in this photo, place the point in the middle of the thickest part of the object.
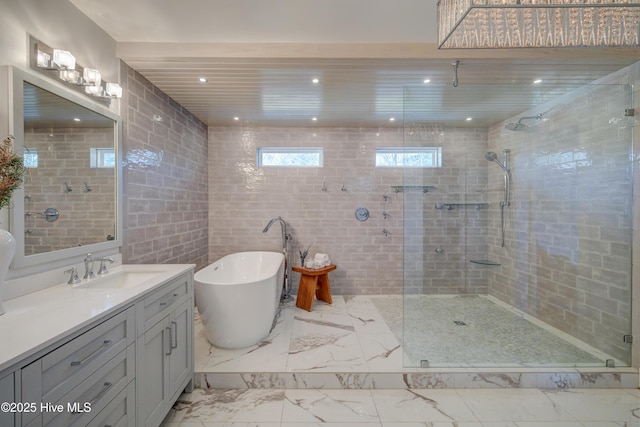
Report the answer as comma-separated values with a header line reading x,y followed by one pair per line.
x,y
34,321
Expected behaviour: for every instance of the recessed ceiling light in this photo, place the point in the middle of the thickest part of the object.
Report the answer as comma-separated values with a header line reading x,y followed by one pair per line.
x,y
392,119
314,119
315,81
236,118
427,80
203,79
75,119
537,81
469,119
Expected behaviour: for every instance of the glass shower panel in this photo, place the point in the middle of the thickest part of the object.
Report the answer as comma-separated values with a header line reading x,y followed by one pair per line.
x,y
549,173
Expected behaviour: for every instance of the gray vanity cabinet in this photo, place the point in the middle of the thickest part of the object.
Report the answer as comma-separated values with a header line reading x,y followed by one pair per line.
x,y
82,376
7,393
126,368
165,350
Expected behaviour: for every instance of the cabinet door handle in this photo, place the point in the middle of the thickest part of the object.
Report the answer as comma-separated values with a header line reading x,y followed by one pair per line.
x,y
103,347
174,344
170,343
105,388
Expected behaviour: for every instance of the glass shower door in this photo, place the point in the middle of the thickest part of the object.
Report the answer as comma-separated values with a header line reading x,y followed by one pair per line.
x,y
558,292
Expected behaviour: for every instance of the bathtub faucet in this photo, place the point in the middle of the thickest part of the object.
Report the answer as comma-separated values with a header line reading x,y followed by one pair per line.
x,y
283,228
286,289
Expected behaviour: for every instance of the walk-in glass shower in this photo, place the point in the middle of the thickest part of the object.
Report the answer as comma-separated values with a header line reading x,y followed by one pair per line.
x,y
517,245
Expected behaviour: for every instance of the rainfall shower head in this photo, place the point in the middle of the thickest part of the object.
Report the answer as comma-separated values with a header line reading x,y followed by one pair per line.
x,y
518,126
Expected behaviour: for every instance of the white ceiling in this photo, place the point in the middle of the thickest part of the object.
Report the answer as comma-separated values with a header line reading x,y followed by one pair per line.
x,y
370,56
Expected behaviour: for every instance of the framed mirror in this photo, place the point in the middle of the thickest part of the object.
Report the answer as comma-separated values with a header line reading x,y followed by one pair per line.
x,y
69,204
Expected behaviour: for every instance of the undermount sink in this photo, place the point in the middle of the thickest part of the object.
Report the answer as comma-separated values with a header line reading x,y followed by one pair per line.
x,y
121,279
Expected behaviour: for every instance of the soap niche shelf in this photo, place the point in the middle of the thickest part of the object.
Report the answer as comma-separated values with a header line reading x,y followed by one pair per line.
x,y
403,188
451,206
484,262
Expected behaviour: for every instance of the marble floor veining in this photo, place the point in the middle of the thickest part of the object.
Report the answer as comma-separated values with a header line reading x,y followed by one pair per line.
x,y
407,408
356,343
342,365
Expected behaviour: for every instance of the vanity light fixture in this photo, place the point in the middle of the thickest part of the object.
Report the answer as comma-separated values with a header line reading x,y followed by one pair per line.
x,y
71,76
43,59
63,60
94,90
62,64
92,77
113,90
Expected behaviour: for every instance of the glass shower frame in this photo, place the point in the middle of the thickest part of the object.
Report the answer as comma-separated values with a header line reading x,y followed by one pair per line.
x,y
565,269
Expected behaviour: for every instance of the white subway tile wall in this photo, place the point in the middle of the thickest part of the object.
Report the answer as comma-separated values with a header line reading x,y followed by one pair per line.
x,y
84,217
567,259
319,204
165,177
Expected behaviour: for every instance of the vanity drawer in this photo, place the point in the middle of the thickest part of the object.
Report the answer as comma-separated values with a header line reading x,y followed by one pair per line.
x,y
59,371
120,412
92,395
155,306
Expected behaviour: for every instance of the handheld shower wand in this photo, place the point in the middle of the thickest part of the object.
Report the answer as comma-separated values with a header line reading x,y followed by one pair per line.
x,y
506,167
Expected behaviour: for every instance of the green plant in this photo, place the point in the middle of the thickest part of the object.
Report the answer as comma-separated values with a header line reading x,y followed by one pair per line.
x,y
11,171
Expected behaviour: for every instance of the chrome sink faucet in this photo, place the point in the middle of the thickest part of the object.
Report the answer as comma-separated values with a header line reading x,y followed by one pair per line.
x,y
88,267
103,267
73,276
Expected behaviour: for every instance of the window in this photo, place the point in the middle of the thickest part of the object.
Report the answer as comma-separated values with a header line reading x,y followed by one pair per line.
x,y
411,157
290,156
102,158
30,157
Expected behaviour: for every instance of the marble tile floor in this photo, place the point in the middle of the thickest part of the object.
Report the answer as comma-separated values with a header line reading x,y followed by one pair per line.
x,y
349,345
341,365
407,408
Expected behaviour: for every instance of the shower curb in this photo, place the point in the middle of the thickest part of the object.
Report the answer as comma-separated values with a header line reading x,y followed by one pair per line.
x,y
611,378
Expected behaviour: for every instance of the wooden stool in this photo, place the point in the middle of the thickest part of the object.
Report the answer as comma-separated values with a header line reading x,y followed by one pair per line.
x,y
313,281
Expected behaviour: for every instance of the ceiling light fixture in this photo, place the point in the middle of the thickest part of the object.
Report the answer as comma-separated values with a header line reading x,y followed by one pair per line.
x,y
315,81
392,119
473,24
537,81
62,65
315,119
203,79
427,81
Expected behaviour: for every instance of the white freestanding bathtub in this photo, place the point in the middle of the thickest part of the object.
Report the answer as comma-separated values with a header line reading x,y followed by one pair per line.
x,y
238,296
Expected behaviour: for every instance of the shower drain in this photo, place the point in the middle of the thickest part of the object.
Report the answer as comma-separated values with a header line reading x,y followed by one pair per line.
x,y
459,323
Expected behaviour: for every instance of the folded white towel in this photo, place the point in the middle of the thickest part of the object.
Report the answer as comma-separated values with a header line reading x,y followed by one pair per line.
x,y
322,260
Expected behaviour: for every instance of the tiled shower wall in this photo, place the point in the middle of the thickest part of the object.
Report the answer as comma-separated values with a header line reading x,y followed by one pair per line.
x,y
85,216
567,258
445,224
243,198
165,177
